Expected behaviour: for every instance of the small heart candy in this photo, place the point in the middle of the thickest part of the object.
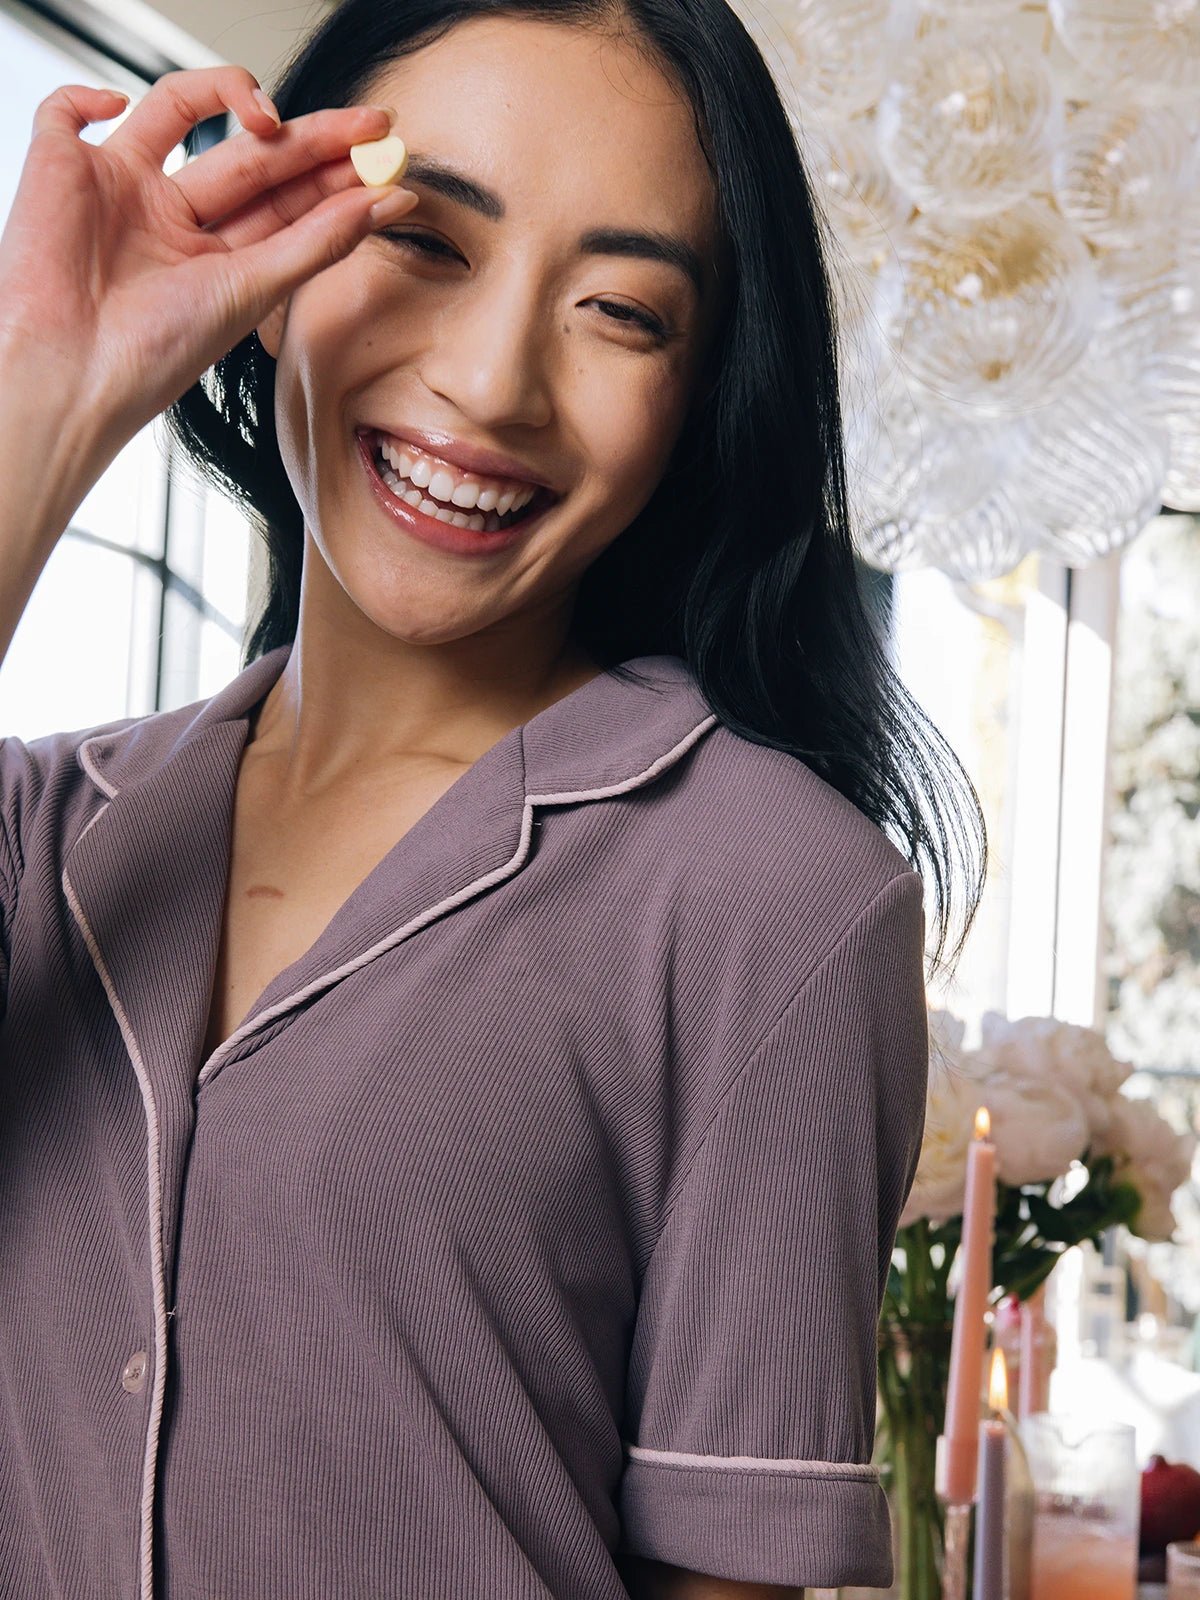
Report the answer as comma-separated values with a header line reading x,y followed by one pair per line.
x,y
380,161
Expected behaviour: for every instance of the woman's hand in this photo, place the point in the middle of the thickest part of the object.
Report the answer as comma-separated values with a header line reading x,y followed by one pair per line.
x,y
122,285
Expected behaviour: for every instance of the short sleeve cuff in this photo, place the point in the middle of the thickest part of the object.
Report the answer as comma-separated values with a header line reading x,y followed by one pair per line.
x,y
822,1524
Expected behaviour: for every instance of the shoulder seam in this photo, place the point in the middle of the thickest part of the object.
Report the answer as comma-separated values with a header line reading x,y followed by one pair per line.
x,y
771,1028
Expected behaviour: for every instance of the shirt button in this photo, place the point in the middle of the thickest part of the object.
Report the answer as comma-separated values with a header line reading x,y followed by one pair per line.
x,y
134,1376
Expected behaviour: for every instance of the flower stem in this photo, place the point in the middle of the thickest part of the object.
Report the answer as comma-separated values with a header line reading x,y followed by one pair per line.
x,y
914,1356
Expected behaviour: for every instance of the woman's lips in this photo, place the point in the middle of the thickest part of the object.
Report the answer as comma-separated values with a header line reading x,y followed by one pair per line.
x,y
444,535
380,437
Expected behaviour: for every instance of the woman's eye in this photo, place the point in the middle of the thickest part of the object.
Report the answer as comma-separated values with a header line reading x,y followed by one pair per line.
x,y
423,241
427,245
644,319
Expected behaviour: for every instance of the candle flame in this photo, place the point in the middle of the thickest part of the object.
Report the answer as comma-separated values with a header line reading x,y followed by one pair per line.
x,y
983,1123
998,1381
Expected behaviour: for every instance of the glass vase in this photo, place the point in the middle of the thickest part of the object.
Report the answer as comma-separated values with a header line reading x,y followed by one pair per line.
x,y
914,1372
913,1376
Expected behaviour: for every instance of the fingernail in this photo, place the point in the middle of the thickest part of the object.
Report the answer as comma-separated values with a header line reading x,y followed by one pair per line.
x,y
266,105
387,111
392,203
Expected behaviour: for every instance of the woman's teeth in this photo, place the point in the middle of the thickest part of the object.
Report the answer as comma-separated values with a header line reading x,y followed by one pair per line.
x,y
407,475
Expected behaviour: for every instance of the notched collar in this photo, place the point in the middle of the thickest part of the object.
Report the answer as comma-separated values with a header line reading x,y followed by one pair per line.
x,y
146,879
604,735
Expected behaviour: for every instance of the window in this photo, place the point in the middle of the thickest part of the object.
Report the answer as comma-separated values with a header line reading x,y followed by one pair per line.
x,y
1072,696
142,604
967,653
1151,898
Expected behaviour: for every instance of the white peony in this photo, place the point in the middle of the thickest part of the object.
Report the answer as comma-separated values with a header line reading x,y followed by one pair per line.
x,y
1152,1156
953,1096
1038,1126
1052,1090
946,1032
1044,1050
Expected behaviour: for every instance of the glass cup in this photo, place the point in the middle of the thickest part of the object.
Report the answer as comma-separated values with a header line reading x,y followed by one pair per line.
x,y
1087,1503
1183,1570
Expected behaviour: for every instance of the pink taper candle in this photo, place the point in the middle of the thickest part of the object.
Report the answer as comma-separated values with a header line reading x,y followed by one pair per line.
x,y
1035,1378
1028,1397
958,1448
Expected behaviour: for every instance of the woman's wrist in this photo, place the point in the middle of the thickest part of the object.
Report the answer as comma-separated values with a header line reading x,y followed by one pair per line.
x,y
50,449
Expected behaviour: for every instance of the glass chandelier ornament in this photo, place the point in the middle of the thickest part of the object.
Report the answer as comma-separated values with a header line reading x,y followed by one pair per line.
x,y
1154,49
1097,470
969,121
991,315
1140,308
1120,170
828,54
1172,382
1013,194
864,204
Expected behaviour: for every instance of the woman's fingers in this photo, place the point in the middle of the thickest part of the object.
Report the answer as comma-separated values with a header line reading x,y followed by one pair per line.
x,y
242,170
258,277
69,108
179,100
282,206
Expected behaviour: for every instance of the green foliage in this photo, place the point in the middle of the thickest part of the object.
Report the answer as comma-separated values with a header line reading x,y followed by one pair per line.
x,y
1031,1232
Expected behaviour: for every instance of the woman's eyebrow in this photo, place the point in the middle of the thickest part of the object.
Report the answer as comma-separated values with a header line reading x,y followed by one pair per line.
x,y
650,246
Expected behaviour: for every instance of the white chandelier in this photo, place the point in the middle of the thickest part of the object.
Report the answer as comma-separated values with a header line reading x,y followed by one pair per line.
x,y
1012,191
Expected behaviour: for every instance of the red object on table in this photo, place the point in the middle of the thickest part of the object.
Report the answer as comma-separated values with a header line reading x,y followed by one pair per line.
x,y
1170,1504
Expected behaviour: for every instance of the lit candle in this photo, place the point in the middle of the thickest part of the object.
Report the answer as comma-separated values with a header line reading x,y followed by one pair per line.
x,y
989,1510
958,1448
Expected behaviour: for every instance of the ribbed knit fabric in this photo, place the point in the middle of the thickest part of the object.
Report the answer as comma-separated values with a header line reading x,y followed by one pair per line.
x,y
539,1213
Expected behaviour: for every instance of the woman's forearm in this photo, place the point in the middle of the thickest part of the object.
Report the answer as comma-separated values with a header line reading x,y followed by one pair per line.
x,y
49,460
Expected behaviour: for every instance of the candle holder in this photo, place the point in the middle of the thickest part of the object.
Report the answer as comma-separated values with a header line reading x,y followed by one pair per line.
x,y
956,1549
958,1559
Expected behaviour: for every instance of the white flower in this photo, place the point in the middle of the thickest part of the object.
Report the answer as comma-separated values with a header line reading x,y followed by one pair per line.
x,y
946,1036
1047,1086
1039,1128
1044,1050
953,1097
1053,1093
1152,1156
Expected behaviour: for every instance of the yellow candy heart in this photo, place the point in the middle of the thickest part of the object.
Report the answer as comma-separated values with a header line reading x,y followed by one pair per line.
x,y
380,160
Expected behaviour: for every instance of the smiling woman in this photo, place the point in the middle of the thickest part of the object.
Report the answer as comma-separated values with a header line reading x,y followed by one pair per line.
x,y
556,294
555,1117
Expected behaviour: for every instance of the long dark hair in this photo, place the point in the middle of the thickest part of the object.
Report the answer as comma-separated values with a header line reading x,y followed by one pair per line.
x,y
742,561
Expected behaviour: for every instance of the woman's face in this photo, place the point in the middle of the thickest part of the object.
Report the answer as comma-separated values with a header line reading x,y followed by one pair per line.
x,y
503,332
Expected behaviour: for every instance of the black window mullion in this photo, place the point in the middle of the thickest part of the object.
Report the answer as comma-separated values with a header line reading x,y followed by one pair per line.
x,y
166,578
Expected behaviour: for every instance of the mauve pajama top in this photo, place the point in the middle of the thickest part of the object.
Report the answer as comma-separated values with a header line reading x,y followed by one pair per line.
x,y
539,1213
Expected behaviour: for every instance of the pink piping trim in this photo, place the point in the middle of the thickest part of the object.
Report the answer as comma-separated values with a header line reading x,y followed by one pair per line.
x,y
498,875
145,1587
154,1184
655,767
820,1469
89,766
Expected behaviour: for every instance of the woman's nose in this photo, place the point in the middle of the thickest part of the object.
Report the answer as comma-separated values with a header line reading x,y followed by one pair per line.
x,y
490,356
